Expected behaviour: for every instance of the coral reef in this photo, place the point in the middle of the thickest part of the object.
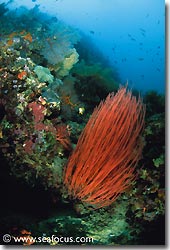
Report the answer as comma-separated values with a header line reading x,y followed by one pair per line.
x,y
34,143
51,81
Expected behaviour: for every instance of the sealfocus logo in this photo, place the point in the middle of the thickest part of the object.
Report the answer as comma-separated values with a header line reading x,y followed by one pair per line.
x,y
7,238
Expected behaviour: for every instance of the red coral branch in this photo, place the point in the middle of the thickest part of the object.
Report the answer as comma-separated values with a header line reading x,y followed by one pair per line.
x,y
102,165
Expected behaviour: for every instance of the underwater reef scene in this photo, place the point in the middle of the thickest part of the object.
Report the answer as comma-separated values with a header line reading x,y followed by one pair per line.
x,y
82,155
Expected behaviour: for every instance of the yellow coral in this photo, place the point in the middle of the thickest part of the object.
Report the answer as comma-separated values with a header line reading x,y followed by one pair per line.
x,y
69,62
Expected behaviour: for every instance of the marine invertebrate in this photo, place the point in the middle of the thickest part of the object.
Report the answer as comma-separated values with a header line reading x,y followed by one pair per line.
x,y
28,37
67,100
59,44
28,146
22,75
62,135
68,63
38,111
50,93
102,165
43,74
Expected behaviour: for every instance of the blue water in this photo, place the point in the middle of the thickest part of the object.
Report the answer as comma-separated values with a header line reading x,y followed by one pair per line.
x,y
129,33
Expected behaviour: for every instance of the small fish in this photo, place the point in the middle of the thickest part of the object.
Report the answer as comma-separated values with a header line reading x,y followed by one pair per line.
x,y
133,39
147,15
158,47
140,58
158,22
140,43
142,76
158,69
10,1
54,19
129,35
142,30
33,1
124,59
92,32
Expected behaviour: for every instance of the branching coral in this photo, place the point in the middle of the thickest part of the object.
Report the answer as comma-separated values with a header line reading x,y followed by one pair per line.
x,y
108,150
60,43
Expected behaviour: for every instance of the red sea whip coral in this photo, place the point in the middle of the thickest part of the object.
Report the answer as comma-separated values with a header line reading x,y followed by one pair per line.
x,y
102,165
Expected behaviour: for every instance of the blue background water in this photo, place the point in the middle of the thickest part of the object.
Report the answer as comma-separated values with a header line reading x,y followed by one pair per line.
x,y
130,33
